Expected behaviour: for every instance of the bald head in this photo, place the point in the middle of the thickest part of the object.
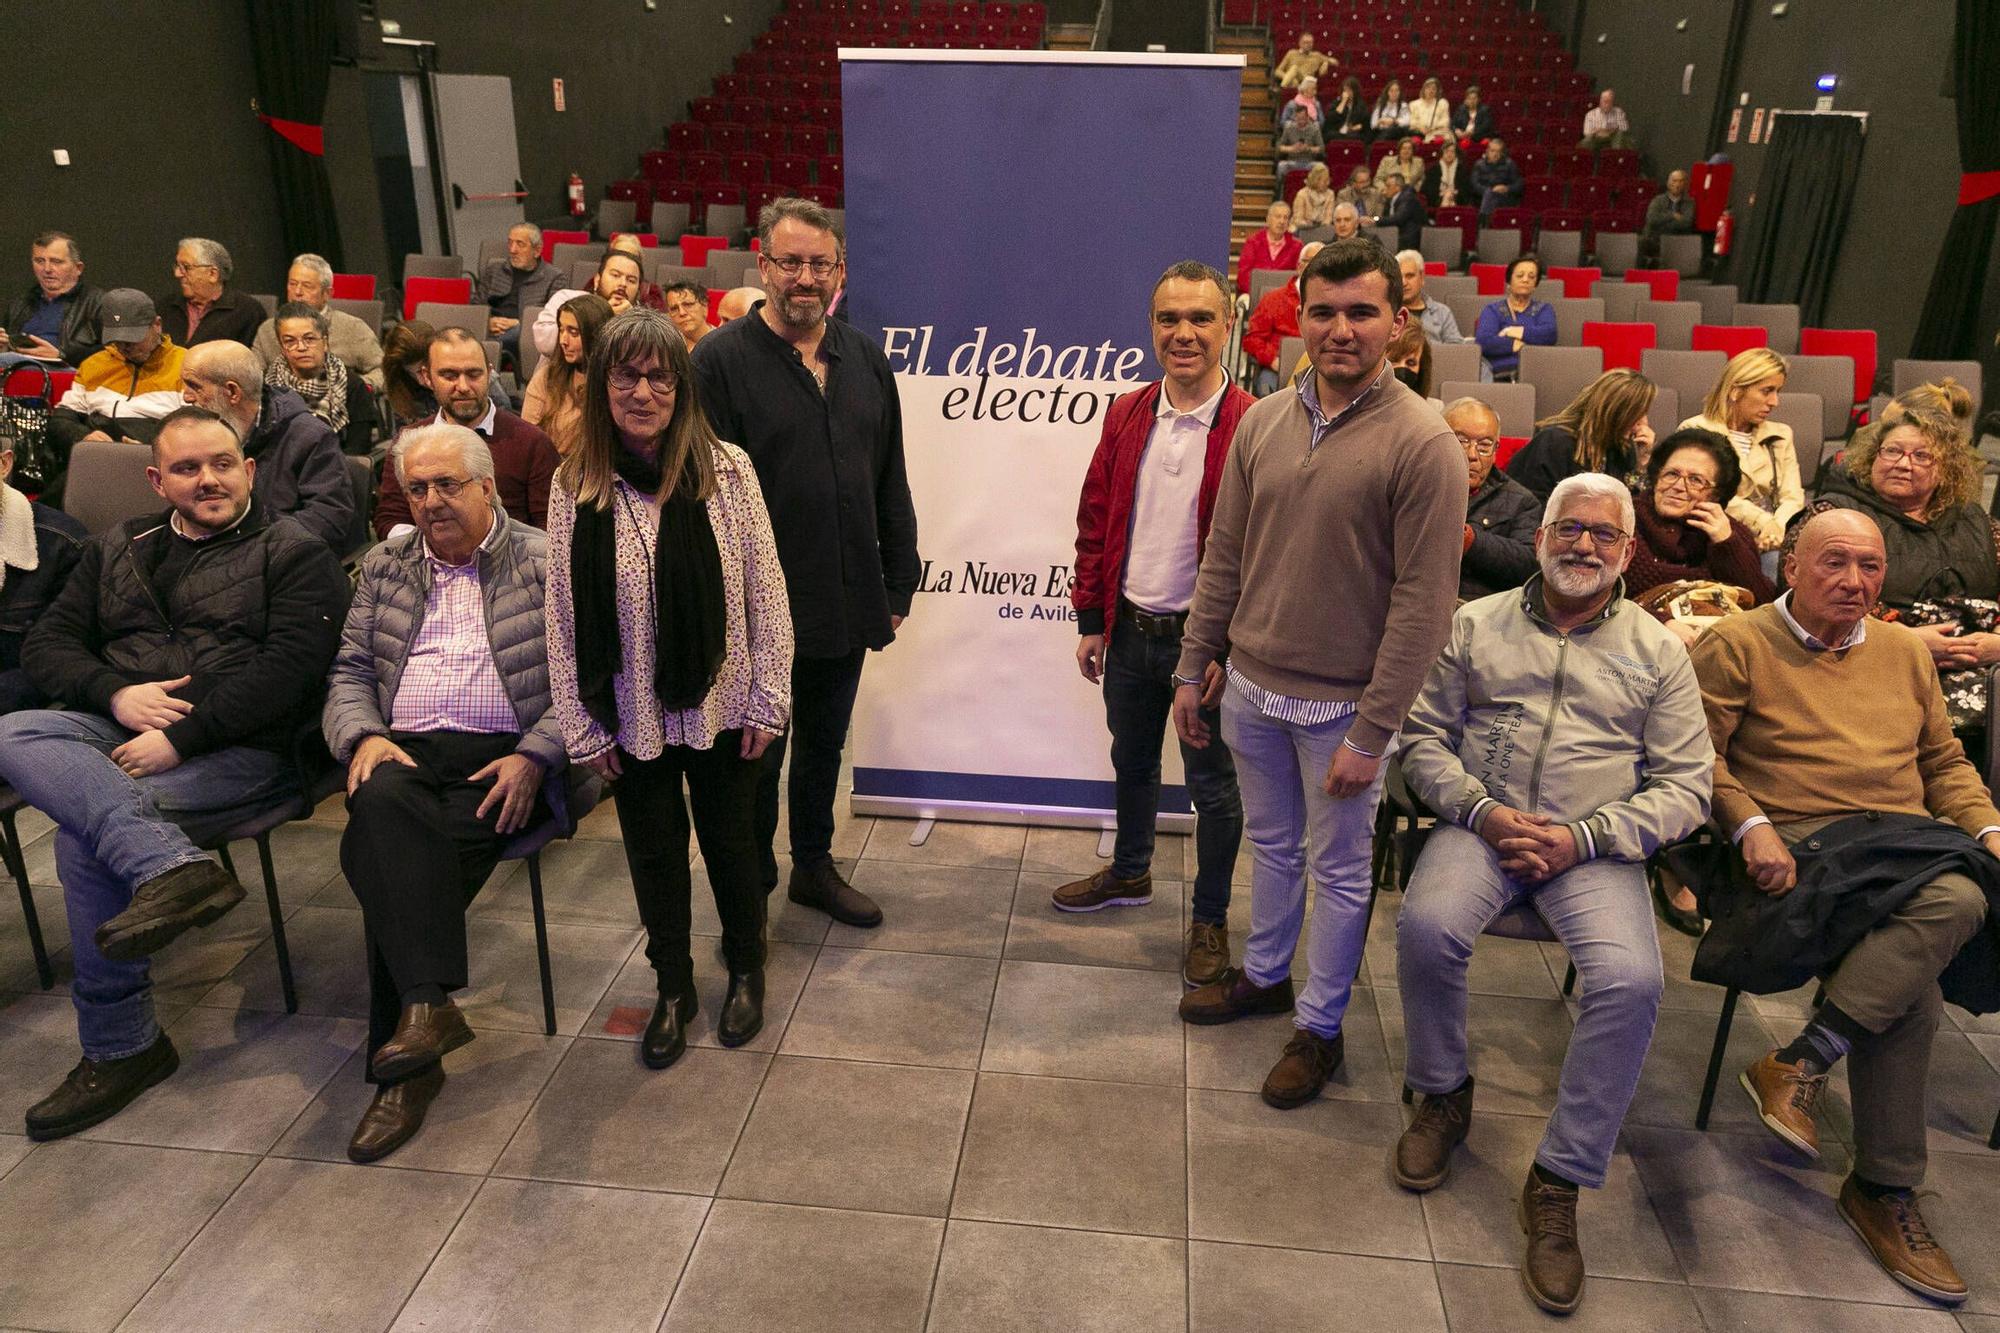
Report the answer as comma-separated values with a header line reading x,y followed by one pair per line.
x,y
1835,570
227,378
737,302
1841,525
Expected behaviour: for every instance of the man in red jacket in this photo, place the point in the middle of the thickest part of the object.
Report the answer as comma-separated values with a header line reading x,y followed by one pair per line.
x,y
1140,526
1275,319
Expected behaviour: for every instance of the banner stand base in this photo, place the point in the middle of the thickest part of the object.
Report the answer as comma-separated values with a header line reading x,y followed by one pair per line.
x,y
979,812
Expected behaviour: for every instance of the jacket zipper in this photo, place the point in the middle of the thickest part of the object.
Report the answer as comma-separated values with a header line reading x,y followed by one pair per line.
x,y
1548,731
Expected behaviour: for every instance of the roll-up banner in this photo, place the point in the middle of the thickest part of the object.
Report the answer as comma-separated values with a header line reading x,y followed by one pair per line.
x,y
1008,214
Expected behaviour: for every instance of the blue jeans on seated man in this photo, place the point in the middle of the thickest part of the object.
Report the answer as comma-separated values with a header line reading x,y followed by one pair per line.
x,y
1603,914
114,832
1288,814
1138,706
1265,382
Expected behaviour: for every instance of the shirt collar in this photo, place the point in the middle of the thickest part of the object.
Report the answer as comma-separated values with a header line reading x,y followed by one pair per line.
x,y
1321,422
1855,637
484,425
174,522
1205,411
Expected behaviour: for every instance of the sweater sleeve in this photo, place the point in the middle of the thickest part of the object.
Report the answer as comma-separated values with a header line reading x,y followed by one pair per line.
x,y
1219,583
1679,770
581,732
1721,671
542,460
1487,334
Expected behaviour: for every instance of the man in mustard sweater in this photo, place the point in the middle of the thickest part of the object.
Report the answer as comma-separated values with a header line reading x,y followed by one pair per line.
x,y
1818,714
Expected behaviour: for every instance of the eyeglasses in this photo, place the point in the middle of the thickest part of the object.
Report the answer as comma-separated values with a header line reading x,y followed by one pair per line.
x,y
1896,453
625,379
790,265
299,342
181,270
1485,447
1569,531
448,487
1692,483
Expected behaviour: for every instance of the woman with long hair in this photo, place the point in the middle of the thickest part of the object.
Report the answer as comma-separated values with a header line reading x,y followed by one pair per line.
x,y
670,655
554,398
1391,115
1448,182
1346,115
1405,162
1603,430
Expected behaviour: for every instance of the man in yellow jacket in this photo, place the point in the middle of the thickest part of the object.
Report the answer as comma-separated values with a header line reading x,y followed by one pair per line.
x,y
121,392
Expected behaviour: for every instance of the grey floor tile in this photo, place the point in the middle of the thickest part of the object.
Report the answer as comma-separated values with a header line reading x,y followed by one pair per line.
x,y
931,909
533,1255
1493,1300
1071,853
900,1008
38,1046
1517,1047
1987,1046
777,1268
1960,1201
625,1008
1759,1312
13,1147
200,960
1965,1021
1964,1095
124,1211
1313,1178
1017,1277
1234,1287
329,968
1676,958
1143,937
585,882
305,856
291,1247
1979,1323
1070,1153
244,1077
844,1134
17,957
506,989
986,846
489,1086
601,823
1236,1056
850,831
1109,1023
606,1119
783,918
1670,1083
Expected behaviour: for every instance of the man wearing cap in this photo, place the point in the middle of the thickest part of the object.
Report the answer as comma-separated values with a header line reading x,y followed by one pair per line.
x,y
122,392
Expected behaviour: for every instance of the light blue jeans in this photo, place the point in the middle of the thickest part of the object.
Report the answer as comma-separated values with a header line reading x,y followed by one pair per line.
x,y
1603,915
114,832
1293,825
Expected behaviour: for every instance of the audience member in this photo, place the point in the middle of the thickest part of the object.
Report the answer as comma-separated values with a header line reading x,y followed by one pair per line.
x,y
1346,115
1434,317
1312,206
1403,210
1669,213
121,392
189,647
554,400
828,444
1472,122
1140,528
1311,701
1448,181
1516,320
310,282
1430,114
1604,429
516,287
1302,62
1390,115
1567,673
39,546
405,350
1495,179
524,461
1739,409
1306,99
1273,247
1361,191
1501,515
1300,147
1275,319
1867,846
307,367
618,279
1946,396
1346,222
1605,125
1684,533
1409,355
438,705
206,309
649,294
1405,162
670,654
56,319
736,303
686,304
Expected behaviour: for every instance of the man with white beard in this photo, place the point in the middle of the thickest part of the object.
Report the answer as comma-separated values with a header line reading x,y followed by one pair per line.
x,y
1561,740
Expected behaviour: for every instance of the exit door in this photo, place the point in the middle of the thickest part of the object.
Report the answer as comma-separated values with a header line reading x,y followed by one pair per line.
x,y
479,161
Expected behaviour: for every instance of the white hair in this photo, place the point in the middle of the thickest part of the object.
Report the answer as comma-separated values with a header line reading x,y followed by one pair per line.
x,y
472,450
1588,486
1349,207
1410,257
319,268
1457,405
534,233
211,252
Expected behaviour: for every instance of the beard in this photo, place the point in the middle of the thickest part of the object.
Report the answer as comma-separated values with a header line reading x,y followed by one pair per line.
x,y
801,310
1576,576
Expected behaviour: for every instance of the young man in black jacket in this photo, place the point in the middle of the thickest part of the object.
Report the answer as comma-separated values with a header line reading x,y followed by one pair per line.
x,y
191,647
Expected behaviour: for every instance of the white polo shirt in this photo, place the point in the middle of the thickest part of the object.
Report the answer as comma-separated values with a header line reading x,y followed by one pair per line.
x,y
1165,550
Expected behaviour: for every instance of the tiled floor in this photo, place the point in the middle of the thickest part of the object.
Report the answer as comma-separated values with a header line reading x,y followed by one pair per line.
x,y
983,1115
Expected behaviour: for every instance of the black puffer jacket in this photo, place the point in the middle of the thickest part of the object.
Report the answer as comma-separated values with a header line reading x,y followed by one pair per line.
x,y
301,471
1503,515
255,620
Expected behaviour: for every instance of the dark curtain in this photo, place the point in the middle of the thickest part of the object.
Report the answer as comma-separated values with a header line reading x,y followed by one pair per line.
x,y
1949,327
293,41
1803,199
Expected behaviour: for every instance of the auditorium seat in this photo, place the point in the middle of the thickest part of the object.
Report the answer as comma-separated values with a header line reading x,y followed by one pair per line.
x,y
1491,276
1454,361
434,266
1780,322
1806,415
1465,309
1682,254
445,291
1514,404
453,315
670,220
1264,281
1728,339
1666,284
1559,374
1559,246
1454,284
724,220
1858,344
368,312
1572,313
1616,250
1674,322
1665,415
1576,281
1907,374
552,238
1623,343
566,255
1831,380
695,249
353,286
1692,374
1465,219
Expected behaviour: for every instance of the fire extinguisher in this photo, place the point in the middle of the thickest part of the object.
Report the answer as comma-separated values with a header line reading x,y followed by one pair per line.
x,y
575,195
1725,227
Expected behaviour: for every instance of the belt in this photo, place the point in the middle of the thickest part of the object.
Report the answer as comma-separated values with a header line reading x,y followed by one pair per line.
x,y
1156,626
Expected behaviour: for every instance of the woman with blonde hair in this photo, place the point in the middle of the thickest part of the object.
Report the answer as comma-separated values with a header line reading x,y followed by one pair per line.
x,y
1430,114
1312,206
1946,396
1739,409
1603,430
670,655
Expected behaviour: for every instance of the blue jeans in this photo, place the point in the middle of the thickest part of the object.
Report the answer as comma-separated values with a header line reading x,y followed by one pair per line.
x,y
1138,702
1265,382
1601,912
114,832
1288,815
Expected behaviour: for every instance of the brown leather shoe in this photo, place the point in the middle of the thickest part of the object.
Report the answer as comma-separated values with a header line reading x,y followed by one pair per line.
x,y
1308,1062
1422,1158
1552,1269
395,1116
1232,996
423,1036
1103,889
1205,955
821,887
1901,1241
176,900
1785,1095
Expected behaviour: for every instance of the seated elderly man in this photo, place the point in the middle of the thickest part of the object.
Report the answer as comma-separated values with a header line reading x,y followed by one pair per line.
x,y
299,467
56,319
1439,323
1560,738
190,646
1502,517
1605,124
1860,824
39,547
310,282
206,309
439,707
516,287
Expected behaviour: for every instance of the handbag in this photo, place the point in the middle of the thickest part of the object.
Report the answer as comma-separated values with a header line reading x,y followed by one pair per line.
x,y
1697,602
1964,689
25,420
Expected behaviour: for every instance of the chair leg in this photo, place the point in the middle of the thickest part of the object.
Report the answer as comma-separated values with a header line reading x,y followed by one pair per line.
x,y
17,865
542,943
228,862
1569,981
1994,1141
277,923
1715,1055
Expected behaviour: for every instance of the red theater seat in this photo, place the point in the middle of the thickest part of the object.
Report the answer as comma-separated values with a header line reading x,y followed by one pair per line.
x,y
1665,282
451,291
1624,345
1857,343
1728,339
353,287
1492,278
1576,282
550,240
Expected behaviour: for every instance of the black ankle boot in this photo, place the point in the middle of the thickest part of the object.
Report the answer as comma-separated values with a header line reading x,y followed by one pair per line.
x,y
743,1010
666,1031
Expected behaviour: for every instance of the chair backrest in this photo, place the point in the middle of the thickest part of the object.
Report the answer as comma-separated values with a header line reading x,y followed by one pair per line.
x,y
1289,352
726,267
434,266
1389,238
1674,322
1805,414
1454,361
564,256
1577,280
490,249
1907,374
583,271
1559,374
361,473
107,484
616,215
448,291
1445,244
1780,321
725,220
1572,313
1455,284
1829,379
529,356
1728,339
1465,309
1691,374
1514,404
1624,344
1560,247
1665,283
1617,250
1717,301
1491,278
1857,343
368,312
1264,281
353,287
447,315
1621,300
665,274
669,220
1682,254
552,237
268,301
1499,245
695,249
1665,413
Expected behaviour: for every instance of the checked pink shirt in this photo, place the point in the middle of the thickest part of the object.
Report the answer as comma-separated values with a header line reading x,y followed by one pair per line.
x,y
450,682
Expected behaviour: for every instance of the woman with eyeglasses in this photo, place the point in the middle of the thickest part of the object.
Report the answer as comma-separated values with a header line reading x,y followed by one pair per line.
x,y
554,399
1739,409
307,366
1684,532
670,656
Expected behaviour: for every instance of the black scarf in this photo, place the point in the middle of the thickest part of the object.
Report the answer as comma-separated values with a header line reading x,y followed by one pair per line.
x,y
689,623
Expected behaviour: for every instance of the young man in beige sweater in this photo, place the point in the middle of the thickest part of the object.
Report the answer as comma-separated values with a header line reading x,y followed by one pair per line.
x,y
1329,581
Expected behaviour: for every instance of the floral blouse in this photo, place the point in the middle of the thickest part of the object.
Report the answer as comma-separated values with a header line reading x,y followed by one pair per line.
x,y
754,686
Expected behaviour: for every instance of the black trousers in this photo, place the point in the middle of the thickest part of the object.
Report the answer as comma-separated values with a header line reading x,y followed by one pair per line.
x,y
721,788
823,690
416,853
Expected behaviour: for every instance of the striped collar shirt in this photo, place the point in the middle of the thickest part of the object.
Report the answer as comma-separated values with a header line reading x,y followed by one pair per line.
x,y
450,681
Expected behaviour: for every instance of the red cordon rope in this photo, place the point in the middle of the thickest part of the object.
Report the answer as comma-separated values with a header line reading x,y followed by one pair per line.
x,y
312,138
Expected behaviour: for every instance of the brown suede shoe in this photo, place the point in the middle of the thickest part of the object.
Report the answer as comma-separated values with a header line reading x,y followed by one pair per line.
x,y
395,1116
1232,996
1205,955
1896,1233
1422,1158
1785,1095
1102,889
176,900
1552,1269
1308,1062
423,1036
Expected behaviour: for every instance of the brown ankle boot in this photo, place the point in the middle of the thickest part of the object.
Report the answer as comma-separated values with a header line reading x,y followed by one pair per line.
x,y
1308,1062
1423,1155
1552,1269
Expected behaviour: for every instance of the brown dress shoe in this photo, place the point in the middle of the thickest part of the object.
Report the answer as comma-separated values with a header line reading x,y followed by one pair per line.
x,y
1308,1062
1785,1095
1422,1158
423,1036
1553,1267
176,900
1901,1241
1232,996
1205,955
395,1116
1103,889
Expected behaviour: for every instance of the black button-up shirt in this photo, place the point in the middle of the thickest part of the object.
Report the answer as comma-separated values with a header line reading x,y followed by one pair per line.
x,y
831,468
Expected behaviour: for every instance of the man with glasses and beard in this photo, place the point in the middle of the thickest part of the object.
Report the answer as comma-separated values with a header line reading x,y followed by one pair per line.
x,y
814,404
1560,739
